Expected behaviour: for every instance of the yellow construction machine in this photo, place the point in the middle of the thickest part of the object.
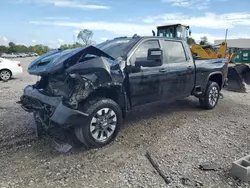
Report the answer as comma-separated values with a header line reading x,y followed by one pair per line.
x,y
208,52
181,31
237,75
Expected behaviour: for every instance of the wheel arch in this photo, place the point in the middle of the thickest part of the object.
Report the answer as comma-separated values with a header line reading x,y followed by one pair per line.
x,y
114,92
215,77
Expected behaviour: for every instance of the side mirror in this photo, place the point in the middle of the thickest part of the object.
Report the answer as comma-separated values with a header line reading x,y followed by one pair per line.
x,y
154,54
154,58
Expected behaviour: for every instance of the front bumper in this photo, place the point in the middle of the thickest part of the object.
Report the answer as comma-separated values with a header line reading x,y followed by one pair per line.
x,y
34,100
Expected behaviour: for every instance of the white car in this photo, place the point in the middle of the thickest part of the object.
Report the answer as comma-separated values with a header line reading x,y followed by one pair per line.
x,y
9,68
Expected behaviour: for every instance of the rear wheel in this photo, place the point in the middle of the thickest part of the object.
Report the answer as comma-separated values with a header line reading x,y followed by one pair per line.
x,y
102,125
211,97
5,75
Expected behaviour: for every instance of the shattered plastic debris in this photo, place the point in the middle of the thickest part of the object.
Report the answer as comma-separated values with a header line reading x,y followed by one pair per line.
x,y
63,148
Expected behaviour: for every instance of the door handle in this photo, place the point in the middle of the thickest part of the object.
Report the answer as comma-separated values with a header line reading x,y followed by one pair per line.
x,y
162,70
189,67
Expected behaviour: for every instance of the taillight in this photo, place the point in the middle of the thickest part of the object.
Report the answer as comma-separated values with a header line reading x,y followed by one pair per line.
x,y
19,65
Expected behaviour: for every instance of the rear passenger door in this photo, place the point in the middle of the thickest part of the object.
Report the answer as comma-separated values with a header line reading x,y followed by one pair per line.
x,y
181,70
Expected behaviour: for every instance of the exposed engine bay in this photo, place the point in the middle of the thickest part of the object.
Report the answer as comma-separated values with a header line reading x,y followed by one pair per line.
x,y
70,89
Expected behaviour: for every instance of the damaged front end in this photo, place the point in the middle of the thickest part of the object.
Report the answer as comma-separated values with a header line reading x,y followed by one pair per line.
x,y
68,77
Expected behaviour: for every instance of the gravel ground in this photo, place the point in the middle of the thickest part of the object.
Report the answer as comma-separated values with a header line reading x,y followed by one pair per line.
x,y
179,137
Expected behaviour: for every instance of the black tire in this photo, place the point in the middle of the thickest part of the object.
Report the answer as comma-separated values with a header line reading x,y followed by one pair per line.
x,y
207,101
5,75
92,107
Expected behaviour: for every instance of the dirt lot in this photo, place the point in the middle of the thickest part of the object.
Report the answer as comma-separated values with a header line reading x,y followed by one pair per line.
x,y
180,137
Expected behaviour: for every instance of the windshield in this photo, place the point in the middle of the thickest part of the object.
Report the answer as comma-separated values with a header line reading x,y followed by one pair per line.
x,y
169,33
117,47
173,32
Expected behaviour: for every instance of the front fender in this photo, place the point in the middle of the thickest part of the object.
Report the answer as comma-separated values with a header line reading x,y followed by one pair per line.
x,y
97,75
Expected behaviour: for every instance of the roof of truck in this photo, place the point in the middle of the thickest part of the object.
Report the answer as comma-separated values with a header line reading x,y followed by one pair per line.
x,y
164,38
148,37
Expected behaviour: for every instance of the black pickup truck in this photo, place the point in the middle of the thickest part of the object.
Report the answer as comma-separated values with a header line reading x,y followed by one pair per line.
x,y
88,91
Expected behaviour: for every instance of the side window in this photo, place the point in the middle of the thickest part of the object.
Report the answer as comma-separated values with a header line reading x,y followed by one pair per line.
x,y
142,51
174,52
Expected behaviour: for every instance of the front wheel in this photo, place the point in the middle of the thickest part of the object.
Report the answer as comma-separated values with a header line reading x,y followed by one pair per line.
x,y
102,125
211,97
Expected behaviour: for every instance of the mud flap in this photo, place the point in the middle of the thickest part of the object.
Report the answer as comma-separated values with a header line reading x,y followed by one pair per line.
x,y
238,77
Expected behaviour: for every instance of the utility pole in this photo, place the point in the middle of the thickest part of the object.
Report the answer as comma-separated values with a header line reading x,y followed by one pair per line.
x,y
226,35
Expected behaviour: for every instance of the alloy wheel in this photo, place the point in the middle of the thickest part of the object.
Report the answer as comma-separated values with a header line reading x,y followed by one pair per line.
x,y
103,124
213,95
5,75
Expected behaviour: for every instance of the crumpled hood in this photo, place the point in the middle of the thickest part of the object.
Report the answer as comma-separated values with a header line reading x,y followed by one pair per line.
x,y
56,61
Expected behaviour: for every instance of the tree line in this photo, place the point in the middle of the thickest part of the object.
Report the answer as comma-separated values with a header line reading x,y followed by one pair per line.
x,y
84,36
16,48
39,48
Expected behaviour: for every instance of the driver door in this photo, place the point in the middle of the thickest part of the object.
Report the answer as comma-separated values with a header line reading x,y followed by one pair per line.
x,y
145,83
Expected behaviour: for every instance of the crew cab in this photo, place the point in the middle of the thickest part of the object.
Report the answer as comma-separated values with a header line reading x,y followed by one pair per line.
x,y
88,91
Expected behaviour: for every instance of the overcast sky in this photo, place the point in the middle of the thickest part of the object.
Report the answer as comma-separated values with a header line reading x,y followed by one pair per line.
x,y
54,22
